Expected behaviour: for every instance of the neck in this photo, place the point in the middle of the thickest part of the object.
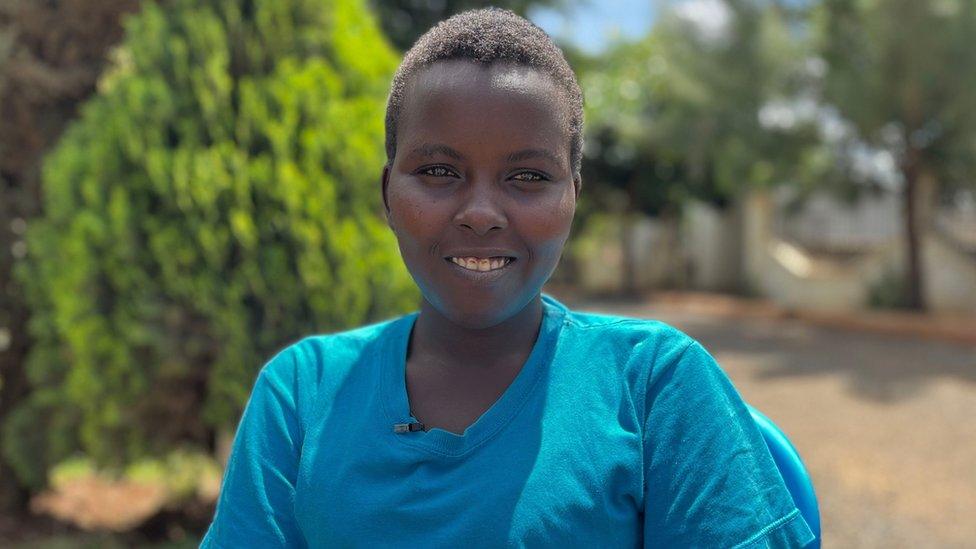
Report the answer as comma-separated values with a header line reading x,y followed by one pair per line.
x,y
436,337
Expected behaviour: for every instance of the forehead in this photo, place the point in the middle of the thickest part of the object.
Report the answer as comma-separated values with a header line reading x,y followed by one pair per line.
x,y
501,102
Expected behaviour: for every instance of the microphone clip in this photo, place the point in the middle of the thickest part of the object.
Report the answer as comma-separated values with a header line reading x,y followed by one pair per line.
x,y
408,427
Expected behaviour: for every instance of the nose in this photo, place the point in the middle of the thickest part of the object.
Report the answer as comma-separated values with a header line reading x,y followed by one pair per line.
x,y
480,211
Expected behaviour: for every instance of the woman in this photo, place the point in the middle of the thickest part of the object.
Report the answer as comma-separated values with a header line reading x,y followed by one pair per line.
x,y
495,416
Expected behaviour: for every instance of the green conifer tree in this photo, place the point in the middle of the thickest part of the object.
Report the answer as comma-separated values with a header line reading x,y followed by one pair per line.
x,y
217,199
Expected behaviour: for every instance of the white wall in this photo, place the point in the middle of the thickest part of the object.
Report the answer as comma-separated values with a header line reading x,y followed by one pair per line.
x,y
711,241
790,274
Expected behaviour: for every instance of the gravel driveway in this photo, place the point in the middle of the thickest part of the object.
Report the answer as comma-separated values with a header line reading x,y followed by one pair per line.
x,y
886,425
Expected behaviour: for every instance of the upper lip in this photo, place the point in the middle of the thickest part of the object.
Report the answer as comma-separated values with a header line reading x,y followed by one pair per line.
x,y
482,253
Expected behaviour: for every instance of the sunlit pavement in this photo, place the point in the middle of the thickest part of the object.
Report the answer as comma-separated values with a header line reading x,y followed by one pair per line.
x,y
886,424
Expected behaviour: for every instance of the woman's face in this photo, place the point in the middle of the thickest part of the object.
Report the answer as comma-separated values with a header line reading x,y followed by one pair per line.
x,y
481,193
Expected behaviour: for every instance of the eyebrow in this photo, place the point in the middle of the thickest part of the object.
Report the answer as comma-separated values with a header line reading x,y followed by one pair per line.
x,y
526,154
428,150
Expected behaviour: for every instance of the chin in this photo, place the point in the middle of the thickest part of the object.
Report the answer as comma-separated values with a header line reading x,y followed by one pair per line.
x,y
476,308
484,314
474,316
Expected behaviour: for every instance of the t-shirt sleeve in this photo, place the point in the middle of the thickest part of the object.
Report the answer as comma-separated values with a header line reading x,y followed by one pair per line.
x,y
257,496
710,480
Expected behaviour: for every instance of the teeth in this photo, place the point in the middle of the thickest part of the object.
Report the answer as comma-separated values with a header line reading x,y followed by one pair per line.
x,y
481,265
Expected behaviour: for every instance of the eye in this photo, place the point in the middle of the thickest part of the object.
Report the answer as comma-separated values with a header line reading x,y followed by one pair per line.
x,y
530,176
437,171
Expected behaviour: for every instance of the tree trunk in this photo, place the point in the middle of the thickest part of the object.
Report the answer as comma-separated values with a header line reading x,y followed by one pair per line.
x,y
918,205
628,264
628,221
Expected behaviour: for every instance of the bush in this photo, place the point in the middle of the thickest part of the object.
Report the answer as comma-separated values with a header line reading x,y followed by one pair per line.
x,y
119,500
217,199
889,291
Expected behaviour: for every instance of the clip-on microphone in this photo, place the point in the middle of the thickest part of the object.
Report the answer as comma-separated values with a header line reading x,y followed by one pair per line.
x,y
408,427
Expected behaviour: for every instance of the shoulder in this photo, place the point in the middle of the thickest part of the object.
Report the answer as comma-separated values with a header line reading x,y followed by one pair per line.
x,y
654,343
312,366
319,353
637,353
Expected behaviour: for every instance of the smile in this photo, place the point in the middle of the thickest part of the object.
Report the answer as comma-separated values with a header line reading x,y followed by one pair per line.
x,y
480,264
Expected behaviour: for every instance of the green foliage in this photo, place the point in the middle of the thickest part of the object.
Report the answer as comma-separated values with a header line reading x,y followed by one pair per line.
x,y
903,72
676,115
182,474
624,166
217,199
888,291
50,56
185,474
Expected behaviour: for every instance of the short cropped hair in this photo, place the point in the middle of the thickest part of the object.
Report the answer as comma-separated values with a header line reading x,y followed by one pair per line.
x,y
487,36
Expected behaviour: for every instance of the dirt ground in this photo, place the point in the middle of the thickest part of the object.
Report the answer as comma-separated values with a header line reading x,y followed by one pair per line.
x,y
885,422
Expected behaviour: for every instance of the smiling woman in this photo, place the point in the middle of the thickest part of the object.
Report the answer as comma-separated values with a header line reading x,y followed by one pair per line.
x,y
483,170
495,416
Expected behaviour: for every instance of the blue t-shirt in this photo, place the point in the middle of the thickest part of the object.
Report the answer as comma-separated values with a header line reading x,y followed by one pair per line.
x,y
617,432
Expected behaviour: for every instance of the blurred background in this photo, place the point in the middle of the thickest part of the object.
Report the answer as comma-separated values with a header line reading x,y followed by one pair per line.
x,y
187,186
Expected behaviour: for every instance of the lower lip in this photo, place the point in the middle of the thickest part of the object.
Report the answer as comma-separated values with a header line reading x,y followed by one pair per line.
x,y
480,276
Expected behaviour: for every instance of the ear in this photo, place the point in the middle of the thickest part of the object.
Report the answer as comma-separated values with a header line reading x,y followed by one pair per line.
x,y
384,183
578,184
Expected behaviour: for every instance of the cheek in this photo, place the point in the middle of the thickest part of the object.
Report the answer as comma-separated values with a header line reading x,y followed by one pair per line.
x,y
411,219
550,229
